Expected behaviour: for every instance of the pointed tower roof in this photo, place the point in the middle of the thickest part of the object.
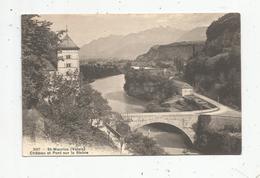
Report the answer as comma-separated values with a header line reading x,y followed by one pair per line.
x,y
67,44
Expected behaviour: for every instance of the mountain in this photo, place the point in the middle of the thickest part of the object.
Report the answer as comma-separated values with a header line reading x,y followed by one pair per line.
x,y
129,46
196,34
182,50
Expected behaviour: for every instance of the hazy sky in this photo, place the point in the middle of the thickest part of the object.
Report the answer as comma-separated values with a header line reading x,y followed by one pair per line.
x,y
85,28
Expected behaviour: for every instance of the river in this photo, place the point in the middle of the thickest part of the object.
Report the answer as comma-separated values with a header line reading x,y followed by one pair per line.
x,y
168,138
111,88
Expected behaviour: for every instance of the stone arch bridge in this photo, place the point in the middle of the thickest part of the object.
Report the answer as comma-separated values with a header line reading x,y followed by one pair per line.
x,y
184,121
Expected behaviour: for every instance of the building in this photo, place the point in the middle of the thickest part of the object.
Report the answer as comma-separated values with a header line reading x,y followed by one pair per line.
x,y
67,62
182,88
68,56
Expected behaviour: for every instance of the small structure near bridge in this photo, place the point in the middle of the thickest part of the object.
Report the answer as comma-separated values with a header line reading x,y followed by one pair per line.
x,y
182,88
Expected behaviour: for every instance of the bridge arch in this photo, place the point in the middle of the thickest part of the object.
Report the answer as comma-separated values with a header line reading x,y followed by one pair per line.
x,y
187,133
183,121
171,128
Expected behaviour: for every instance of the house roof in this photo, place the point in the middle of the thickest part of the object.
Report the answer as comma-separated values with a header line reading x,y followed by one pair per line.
x,y
67,43
181,84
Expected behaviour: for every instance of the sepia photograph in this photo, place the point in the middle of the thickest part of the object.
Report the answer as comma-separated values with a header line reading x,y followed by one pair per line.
x,y
131,84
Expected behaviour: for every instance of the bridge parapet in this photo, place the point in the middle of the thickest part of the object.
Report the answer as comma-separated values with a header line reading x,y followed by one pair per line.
x,y
195,112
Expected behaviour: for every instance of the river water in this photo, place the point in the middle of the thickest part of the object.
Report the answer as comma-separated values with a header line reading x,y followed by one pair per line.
x,y
111,88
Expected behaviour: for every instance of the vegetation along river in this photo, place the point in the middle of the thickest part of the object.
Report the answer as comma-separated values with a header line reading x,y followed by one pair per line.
x,y
167,137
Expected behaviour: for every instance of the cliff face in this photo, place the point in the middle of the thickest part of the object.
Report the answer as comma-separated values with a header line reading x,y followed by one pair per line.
x,y
217,71
223,35
183,50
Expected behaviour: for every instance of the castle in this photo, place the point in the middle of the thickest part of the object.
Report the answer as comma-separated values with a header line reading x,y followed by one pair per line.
x,y
68,56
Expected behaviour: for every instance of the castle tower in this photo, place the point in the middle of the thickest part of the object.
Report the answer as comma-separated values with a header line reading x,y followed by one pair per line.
x,y
68,56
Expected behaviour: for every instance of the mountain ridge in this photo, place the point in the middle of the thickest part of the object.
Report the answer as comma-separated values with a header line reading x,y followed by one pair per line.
x,y
195,34
129,46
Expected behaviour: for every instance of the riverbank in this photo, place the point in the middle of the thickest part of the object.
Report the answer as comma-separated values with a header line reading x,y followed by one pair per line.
x,y
92,71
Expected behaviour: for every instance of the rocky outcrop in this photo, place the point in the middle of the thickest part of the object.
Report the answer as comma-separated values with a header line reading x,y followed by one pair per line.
x,y
216,72
183,50
223,34
145,85
218,134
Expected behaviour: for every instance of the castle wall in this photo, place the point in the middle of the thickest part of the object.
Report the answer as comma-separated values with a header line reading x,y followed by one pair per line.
x,y
68,65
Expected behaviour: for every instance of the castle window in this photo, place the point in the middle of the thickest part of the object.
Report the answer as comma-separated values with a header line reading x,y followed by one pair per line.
x,y
68,65
67,56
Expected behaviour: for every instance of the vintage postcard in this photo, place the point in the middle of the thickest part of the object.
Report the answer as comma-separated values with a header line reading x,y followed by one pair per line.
x,y
131,84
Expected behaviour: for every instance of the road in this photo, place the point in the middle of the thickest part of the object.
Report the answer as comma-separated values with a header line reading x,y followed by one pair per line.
x,y
223,110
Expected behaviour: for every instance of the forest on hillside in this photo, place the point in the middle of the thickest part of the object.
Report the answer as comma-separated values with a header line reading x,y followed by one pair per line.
x,y
64,105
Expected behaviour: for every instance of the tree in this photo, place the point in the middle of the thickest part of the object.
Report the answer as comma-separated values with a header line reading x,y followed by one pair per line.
x,y
94,106
39,43
127,66
72,112
57,102
179,64
142,145
122,127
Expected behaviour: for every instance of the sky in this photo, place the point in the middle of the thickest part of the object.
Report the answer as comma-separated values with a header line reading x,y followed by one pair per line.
x,y
85,28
